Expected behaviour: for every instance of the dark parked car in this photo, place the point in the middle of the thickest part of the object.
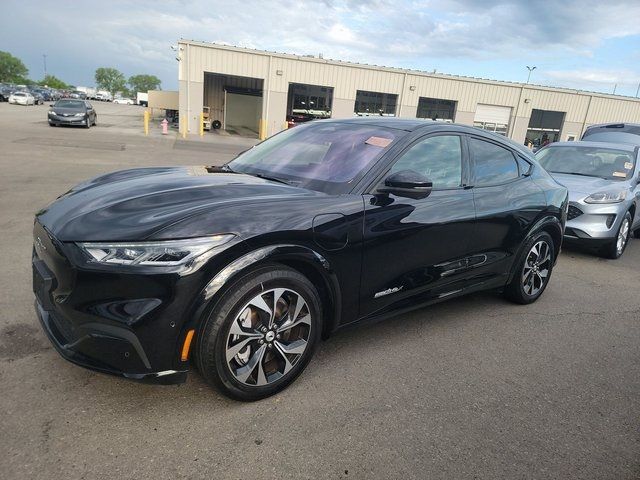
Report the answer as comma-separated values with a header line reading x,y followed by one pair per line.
x,y
5,93
243,268
72,112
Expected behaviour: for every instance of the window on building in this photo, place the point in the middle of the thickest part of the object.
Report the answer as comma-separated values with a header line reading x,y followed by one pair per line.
x,y
375,103
493,164
308,102
436,109
437,158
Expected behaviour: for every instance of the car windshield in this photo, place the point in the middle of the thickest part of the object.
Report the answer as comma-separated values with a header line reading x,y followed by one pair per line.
x,y
69,104
602,162
324,156
20,94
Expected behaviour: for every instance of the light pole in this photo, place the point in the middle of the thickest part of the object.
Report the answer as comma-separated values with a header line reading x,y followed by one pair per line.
x,y
44,58
531,69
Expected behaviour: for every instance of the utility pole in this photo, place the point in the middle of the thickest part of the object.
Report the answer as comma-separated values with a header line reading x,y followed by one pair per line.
x,y
531,69
614,88
637,90
44,58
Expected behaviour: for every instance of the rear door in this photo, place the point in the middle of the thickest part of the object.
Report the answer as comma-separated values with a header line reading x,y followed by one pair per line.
x,y
415,249
507,202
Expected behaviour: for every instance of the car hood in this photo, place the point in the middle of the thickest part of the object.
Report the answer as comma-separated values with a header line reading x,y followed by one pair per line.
x,y
68,110
580,186
136,204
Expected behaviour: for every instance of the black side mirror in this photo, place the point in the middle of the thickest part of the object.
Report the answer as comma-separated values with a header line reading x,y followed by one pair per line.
x,y
52,105
407,183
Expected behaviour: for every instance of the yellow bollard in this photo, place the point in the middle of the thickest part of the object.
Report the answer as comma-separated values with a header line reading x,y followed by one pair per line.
x,y
262,130
201,124
146,122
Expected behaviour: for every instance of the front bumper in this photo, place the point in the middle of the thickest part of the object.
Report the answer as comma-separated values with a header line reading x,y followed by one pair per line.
x,y
60,120
592,223
94,342
126,325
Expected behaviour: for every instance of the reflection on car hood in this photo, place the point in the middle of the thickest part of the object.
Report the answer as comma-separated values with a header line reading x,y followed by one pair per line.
x,y
68,109
582,186
135,204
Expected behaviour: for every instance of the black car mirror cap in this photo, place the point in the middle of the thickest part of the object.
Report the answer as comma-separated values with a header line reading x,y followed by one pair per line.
x,y
407,183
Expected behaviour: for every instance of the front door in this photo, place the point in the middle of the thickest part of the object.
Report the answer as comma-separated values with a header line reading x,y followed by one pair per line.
x,y
417,249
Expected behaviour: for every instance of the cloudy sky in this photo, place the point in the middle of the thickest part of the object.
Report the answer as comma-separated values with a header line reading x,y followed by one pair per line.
x,y
586,44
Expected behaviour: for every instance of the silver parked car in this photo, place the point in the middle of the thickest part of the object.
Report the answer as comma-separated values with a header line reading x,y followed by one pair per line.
x,y
602,179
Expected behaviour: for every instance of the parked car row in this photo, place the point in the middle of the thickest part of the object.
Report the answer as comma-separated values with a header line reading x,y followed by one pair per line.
x,y
366,218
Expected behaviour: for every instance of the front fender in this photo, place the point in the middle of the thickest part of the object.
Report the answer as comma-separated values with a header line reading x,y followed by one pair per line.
x,y
296,256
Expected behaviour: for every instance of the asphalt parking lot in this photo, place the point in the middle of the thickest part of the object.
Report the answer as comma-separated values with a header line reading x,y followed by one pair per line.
x,y
472,388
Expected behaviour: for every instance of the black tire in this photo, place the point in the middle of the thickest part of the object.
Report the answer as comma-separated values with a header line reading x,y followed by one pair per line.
x,y
520,290
88,125
636,233
611,250
215,337
95,120
52,124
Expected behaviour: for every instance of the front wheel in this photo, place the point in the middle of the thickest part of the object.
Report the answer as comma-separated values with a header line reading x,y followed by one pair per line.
x,y
261,334
616,248
533,270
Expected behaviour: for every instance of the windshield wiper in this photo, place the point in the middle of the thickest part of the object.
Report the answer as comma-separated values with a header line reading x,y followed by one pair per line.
x,y
267,177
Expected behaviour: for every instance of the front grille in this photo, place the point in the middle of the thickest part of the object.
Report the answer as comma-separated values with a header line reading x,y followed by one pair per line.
x,y
574,212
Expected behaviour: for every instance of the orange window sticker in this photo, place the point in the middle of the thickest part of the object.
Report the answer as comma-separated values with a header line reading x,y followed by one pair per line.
x,y
378,141
628,165
620,174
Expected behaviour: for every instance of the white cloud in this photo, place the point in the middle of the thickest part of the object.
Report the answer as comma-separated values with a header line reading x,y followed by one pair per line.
x,y
135,36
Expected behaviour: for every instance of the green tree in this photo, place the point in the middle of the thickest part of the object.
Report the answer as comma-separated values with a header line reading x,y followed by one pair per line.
x,y
143,83
53,82
12,69
110,79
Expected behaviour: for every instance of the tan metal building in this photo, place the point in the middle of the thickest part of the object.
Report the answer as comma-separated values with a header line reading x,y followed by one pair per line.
x,y
255,92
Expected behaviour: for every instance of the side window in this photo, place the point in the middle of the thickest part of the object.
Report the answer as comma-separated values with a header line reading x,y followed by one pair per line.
x,y
437,158
493,164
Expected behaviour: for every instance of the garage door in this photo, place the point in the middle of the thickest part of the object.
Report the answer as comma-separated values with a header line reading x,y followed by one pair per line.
x,y
242,112
492,117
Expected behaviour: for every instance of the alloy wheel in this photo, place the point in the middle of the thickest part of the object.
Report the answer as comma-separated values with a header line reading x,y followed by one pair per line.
x,y
268,337
623,236
536,269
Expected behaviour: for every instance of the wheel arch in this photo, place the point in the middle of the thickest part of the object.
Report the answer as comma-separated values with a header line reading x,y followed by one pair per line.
x,y
549,224
303,259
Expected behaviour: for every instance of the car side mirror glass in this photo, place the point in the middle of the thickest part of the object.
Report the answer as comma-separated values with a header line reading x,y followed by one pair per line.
x,y
407,183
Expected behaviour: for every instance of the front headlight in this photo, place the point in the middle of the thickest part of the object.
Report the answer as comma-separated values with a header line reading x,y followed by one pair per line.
x,y
51,112
607,197
79,114
159,253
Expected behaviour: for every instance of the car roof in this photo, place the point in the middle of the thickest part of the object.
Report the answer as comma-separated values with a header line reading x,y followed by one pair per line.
x,y
587,144
415,124
407,124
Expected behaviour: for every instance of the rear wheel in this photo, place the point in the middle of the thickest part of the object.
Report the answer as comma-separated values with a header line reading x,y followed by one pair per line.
x,y
261,335
616,248
88,122
533,270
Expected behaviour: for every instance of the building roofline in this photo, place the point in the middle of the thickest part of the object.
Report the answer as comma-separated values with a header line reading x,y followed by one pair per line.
x,y
419,73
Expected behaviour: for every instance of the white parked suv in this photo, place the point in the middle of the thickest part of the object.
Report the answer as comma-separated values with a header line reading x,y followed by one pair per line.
x,y
22,98
123,101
